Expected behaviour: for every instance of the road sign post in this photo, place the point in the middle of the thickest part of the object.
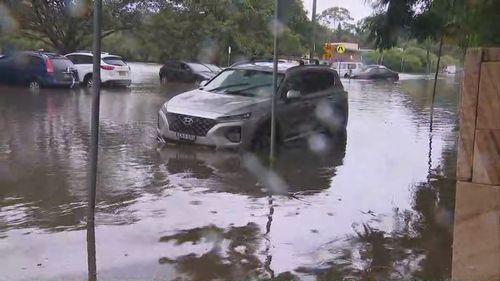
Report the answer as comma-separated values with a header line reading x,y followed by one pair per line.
x,y
94,143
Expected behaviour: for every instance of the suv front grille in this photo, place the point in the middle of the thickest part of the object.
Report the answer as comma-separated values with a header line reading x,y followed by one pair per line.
x,y
187,124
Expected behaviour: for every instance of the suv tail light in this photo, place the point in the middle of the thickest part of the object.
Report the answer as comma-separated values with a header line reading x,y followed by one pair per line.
x,y
49,66
107,67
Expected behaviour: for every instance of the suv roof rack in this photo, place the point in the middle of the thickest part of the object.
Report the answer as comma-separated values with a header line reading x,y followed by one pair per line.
x,y
90,52
301,61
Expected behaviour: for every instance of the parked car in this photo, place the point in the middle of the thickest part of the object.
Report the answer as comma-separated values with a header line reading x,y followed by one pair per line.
x,y
36,70
346,69
187,72
114,70
233,109
376,72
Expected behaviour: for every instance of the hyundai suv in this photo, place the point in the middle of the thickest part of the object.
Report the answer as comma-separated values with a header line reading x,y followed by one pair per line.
x,y
233,110
114,71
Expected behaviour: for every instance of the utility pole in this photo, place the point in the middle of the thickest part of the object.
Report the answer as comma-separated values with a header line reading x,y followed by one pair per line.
x,y
94,143
312,52
275,85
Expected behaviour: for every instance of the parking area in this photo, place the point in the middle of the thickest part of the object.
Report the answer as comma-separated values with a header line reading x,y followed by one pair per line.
x,y
377,203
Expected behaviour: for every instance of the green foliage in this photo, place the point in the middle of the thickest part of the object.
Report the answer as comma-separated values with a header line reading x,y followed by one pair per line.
x,y
67,25
449,60
410,60
371,57
204,29
393,59
335,17
462,22
412,64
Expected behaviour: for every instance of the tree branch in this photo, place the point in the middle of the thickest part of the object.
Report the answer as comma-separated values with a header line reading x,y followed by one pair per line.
x,y
37,37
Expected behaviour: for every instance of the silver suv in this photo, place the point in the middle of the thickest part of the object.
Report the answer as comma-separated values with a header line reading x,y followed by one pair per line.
x,y
233,110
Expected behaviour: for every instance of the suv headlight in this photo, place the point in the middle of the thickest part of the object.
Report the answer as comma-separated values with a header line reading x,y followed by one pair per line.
x,y
230,118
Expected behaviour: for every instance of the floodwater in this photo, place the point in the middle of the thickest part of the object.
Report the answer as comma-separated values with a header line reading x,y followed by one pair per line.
x,y
377,204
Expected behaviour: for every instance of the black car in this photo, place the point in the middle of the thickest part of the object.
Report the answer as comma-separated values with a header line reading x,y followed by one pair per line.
x,y
187,72
376,72
37,69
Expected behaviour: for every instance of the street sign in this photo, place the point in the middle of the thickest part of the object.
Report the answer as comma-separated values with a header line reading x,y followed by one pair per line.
x,y
340,49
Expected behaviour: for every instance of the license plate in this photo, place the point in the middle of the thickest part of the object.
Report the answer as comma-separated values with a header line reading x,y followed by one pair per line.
x,y
186,137
122,73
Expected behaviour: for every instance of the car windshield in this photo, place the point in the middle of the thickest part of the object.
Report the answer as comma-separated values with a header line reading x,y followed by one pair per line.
x,y
117,61
246,82
196,67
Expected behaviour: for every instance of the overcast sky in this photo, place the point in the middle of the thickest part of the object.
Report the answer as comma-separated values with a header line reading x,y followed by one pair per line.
x,y
358,8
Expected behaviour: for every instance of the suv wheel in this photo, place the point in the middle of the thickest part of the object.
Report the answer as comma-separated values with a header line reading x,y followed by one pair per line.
x,y
163,79
262,139
88,81
34,85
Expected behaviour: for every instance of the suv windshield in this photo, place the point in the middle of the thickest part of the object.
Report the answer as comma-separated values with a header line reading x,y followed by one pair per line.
x,y
244,82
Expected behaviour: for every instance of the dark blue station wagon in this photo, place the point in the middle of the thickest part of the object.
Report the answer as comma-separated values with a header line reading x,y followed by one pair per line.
x,y
36,70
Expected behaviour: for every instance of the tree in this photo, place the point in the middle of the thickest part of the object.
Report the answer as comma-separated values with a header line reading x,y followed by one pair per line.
x,y
336,17
203,29
66,25
462,22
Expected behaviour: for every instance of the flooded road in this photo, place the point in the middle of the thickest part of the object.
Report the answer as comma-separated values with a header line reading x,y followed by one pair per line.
x,y
378,204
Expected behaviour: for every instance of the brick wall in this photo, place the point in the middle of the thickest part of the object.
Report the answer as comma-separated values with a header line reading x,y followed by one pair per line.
x,y
476,246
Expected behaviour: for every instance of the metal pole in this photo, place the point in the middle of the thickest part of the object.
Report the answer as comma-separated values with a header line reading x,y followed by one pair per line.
x,y
313,35
94,143
435,80
275,86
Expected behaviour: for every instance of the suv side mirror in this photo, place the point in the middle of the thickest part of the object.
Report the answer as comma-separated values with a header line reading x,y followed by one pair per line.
x,y
203,83
293,94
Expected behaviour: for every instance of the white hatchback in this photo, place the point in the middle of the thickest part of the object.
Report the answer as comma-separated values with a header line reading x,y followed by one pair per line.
x,y
114,71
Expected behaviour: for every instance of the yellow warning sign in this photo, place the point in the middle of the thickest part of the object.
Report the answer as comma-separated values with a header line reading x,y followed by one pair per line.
x,y
340,49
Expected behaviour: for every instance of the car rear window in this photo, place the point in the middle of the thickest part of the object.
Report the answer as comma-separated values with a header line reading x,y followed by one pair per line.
x,y
114,61
61,63
196,67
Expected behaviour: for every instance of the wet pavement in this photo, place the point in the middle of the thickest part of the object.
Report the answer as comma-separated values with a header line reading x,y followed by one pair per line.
x,y
377,204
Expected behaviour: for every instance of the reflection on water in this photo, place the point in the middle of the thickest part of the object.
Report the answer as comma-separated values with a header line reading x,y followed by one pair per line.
x,y
375,205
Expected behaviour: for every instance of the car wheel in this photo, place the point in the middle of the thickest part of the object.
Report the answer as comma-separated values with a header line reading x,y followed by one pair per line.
x,y
262,140
346,75
88,82
164,80
34,84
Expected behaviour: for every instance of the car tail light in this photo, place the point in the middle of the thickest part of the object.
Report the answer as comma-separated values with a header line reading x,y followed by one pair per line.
x,y
107,67
49,66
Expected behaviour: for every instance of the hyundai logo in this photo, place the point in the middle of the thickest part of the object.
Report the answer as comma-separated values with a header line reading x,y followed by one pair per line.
x,y
188,121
